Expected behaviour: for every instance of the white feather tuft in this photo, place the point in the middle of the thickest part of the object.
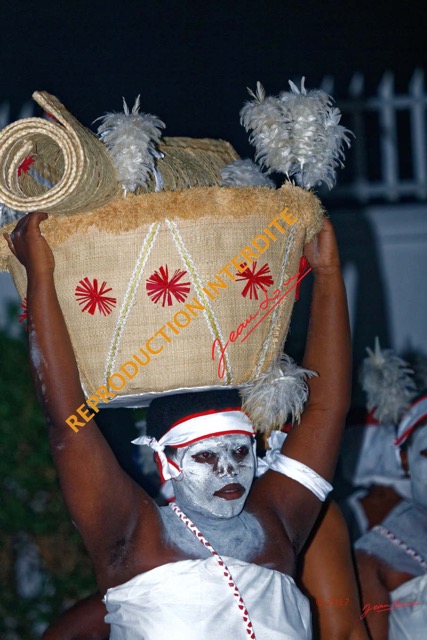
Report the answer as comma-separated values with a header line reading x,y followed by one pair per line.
x,y
131,138
244,173
297,133
388,383
277,394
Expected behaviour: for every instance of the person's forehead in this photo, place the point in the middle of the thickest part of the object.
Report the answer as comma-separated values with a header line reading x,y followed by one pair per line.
x,y
221,442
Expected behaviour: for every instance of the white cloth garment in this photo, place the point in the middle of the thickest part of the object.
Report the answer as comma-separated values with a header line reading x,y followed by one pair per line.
x,y
409,623
190,600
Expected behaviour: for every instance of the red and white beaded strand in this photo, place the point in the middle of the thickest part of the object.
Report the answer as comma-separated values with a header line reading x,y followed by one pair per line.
x,y
221,563
411,552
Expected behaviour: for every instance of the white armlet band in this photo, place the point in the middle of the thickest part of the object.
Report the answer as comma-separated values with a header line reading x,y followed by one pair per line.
x,y
300,472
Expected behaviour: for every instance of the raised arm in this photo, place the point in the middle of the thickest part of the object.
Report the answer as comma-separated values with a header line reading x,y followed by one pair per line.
x,y
316,441
104,502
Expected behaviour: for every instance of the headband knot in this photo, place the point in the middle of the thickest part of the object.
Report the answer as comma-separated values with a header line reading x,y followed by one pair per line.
x,y
168,469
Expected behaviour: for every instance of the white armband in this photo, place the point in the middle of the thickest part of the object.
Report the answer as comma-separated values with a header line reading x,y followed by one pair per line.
x,y
298,471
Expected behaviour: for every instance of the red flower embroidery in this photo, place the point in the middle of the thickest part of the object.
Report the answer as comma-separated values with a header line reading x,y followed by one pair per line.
x,y
160,287
94,298
25,165
260,279
23,317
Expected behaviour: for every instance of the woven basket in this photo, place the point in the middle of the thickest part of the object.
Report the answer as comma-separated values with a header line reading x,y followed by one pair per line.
x,y
173,290
61,167
189,162
197,232
58,166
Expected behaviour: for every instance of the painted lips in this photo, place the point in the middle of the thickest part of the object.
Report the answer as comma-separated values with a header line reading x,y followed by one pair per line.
x,y
232,491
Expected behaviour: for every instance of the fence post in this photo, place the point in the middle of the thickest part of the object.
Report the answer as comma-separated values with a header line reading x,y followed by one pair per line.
x,y
4,114
418,132
26,111
356,90
388,136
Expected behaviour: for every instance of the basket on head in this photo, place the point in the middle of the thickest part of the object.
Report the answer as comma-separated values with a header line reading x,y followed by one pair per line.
x,y
185,288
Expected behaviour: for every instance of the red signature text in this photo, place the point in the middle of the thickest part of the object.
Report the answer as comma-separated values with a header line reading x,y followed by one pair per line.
x,y
332,602
379,608
276,298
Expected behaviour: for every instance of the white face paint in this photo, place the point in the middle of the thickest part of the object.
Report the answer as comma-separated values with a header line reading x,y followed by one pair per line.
x,y
217,475
417,459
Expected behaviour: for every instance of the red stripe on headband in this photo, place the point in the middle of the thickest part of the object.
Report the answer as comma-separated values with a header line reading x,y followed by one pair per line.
x,y
410,429
160,468
405,435
202,413
209,435
371,419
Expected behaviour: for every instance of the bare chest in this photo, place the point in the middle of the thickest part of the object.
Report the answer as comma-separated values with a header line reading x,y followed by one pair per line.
x,y
244,537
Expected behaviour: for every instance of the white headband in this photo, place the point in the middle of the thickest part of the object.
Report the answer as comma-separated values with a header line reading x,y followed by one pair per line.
x,y
415,414
193,429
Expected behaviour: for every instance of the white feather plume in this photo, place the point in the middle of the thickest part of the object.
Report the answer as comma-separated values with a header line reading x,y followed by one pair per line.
x,y
277,394
297,133
388,383
131,138
244,173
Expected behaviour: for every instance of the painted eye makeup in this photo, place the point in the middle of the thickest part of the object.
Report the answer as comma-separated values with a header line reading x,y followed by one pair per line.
x,y
240,453
204,456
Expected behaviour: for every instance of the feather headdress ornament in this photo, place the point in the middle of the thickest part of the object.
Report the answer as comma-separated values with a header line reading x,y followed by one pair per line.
x,y
297,133
277,394
131,138
388,383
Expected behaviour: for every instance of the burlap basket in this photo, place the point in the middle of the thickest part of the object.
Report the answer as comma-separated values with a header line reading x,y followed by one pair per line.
x,y
156,291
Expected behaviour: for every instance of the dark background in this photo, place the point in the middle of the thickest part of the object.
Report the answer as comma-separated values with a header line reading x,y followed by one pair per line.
x,y
191,61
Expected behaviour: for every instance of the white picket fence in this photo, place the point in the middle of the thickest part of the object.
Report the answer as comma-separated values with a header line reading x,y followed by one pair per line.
x,y
382,142
26,111
381,149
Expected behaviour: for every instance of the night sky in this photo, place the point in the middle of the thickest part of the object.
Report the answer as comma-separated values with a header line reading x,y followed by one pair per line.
x,y
192,61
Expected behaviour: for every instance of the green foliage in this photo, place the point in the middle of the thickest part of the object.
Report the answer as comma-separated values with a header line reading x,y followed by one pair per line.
x,y
32,508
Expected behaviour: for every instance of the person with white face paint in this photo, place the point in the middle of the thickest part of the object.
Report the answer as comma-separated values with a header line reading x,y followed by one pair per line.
x,y
392,557
219,563
217,475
